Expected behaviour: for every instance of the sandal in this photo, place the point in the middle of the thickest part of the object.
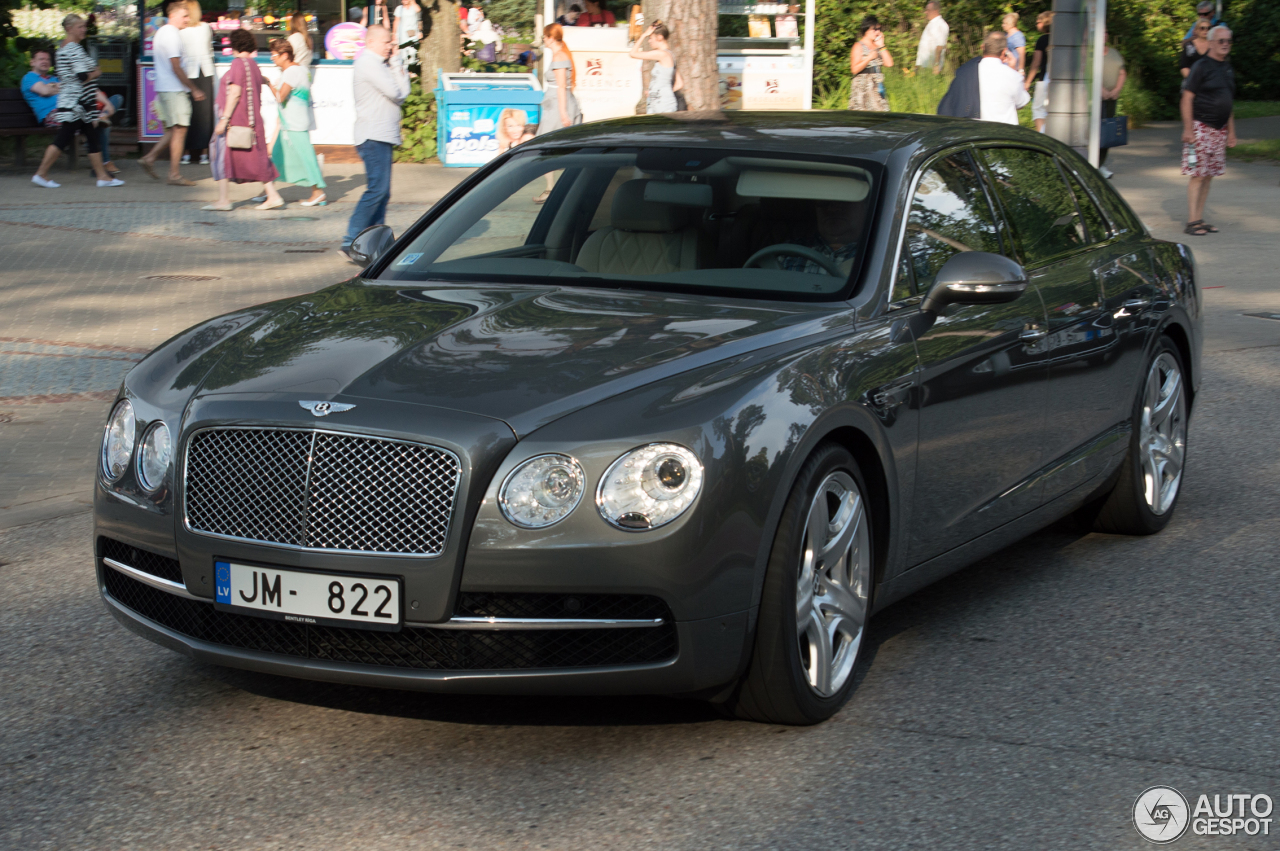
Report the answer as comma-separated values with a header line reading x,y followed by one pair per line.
x,y
541,199
1196,228
1210,228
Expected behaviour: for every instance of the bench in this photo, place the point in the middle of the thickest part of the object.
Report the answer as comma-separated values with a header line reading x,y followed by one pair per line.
x,y
17,120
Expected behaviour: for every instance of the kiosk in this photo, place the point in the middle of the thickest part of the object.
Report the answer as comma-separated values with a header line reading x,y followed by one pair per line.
x,y
471,110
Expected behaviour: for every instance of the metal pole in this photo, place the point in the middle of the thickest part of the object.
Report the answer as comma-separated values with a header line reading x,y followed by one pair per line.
x,y
808,53
1068,99
1095,87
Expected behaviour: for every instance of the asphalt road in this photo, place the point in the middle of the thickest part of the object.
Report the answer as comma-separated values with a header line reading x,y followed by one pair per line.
x,y
1023,703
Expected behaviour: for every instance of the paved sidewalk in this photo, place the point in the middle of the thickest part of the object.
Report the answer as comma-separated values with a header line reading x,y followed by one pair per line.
x,y
90,280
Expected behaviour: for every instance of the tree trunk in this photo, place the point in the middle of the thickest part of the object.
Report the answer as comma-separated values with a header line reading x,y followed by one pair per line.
x,y
693,25
441,48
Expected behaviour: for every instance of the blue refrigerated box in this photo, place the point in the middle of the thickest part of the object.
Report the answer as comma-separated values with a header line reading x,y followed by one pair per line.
x,y
477,115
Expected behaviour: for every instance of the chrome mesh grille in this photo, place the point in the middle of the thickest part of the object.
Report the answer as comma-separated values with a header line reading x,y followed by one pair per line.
x,y
320,490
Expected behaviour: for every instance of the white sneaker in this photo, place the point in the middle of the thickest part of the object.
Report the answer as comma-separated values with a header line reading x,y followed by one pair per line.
x,y
1106,172
204,159
186,159
44,181
115,181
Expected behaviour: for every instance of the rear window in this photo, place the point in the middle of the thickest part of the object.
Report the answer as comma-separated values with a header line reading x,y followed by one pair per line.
x,y
713,221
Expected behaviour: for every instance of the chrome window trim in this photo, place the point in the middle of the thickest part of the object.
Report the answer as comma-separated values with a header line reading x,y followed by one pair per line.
x,y
142,576
186,524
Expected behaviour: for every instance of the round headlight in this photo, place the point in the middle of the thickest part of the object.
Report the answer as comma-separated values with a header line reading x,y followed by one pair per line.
x,y
117,443
649,487
154,456
542,491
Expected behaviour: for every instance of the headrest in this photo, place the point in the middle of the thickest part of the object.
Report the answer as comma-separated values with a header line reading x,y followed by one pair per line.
x,y
631,212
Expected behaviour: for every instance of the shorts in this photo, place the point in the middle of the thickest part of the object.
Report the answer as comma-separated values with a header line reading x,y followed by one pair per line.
x,y
174,109
67,131
1040,101
1211,152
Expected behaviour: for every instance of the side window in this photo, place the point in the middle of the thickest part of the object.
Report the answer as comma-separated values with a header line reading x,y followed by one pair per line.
x,y
902,288
1037,201
950,213
1093,218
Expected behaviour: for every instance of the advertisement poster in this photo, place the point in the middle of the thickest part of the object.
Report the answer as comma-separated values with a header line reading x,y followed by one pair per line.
x,y
773,82
149,27
608,84
477,134
150,129
731,70
344,41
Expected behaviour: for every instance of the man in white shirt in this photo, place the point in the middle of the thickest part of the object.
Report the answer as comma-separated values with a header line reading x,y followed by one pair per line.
x,y
1000,87
173,103
933,41
380,89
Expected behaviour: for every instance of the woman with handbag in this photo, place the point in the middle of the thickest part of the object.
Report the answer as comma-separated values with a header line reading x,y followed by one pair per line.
x,y
238,150
867,60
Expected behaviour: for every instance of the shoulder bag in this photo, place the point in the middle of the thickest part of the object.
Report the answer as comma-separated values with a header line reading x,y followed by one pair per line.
x,y
243,138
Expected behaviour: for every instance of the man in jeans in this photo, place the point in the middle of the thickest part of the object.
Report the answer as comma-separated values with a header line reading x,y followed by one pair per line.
x,y
174,92
379,91
1208,125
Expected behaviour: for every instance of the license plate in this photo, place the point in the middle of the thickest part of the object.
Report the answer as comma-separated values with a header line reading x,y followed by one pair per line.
x,y
370,602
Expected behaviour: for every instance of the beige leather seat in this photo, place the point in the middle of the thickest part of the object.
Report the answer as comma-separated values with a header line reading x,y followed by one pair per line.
x,y
643,238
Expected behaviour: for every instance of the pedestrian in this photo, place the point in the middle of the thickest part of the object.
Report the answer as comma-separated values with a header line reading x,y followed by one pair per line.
x,y
474,16
1194,48
867,60
238,149
559,106
1017,42
197,62
932,52
489,41
597,15
664,79
174,94
1038,72
293,155
1206,10
1113,80
300,40
376,14
570,18
380,89
408,20
1208,125
77,107
1000,88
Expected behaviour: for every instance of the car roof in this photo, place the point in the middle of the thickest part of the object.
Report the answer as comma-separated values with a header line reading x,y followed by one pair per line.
x,y
867,135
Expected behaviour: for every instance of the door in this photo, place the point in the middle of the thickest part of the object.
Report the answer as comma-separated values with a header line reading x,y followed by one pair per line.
x,y
1061,237
982,382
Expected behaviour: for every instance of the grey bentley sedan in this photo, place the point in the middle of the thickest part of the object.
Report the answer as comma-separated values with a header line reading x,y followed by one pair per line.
x,y
657,405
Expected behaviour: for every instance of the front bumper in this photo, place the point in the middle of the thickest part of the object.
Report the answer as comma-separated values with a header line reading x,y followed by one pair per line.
x,y
689,657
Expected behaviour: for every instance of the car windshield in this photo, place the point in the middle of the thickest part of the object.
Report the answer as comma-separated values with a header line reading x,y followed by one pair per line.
x,y
661,218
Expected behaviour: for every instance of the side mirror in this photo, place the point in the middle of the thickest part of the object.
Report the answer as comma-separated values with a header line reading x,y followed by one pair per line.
x,y
370,244
975,277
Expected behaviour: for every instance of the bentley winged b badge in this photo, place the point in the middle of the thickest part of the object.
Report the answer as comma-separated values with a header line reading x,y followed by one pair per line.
x,y
324,409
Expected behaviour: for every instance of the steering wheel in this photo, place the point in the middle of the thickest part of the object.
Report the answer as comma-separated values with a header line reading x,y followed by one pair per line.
x,y
771,251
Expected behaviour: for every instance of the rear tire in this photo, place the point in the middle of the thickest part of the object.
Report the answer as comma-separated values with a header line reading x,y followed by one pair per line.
x,y
1150,481
816,598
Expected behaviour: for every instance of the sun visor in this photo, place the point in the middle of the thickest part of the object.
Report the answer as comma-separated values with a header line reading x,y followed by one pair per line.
x,y
811,186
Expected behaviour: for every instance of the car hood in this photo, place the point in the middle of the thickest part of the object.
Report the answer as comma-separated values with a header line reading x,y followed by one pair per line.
x,y
526,355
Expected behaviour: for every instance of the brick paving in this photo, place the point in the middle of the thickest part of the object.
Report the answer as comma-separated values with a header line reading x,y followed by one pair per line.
x,y
92,280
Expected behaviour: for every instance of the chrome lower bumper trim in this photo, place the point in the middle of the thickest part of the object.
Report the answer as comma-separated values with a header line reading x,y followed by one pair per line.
x,y
454,623
154,581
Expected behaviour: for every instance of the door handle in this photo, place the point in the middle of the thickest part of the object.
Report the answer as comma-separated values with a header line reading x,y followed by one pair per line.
x,y
1132,306
1030,335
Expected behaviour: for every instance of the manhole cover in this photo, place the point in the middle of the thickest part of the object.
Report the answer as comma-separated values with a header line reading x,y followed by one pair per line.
x,y
1264,315
305,250
181,278
210,224
302,218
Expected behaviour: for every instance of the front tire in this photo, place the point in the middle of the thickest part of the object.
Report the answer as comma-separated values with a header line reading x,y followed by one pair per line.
x,y
1150,481
816,598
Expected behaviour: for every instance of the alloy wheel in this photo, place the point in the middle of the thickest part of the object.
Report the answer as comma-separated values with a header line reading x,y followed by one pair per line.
x,y
1163,435
833,584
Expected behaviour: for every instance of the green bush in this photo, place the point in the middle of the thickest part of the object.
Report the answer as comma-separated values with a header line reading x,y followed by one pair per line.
x,y
417,126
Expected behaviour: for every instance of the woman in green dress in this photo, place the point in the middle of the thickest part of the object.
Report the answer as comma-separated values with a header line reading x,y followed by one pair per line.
x,y
293,155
